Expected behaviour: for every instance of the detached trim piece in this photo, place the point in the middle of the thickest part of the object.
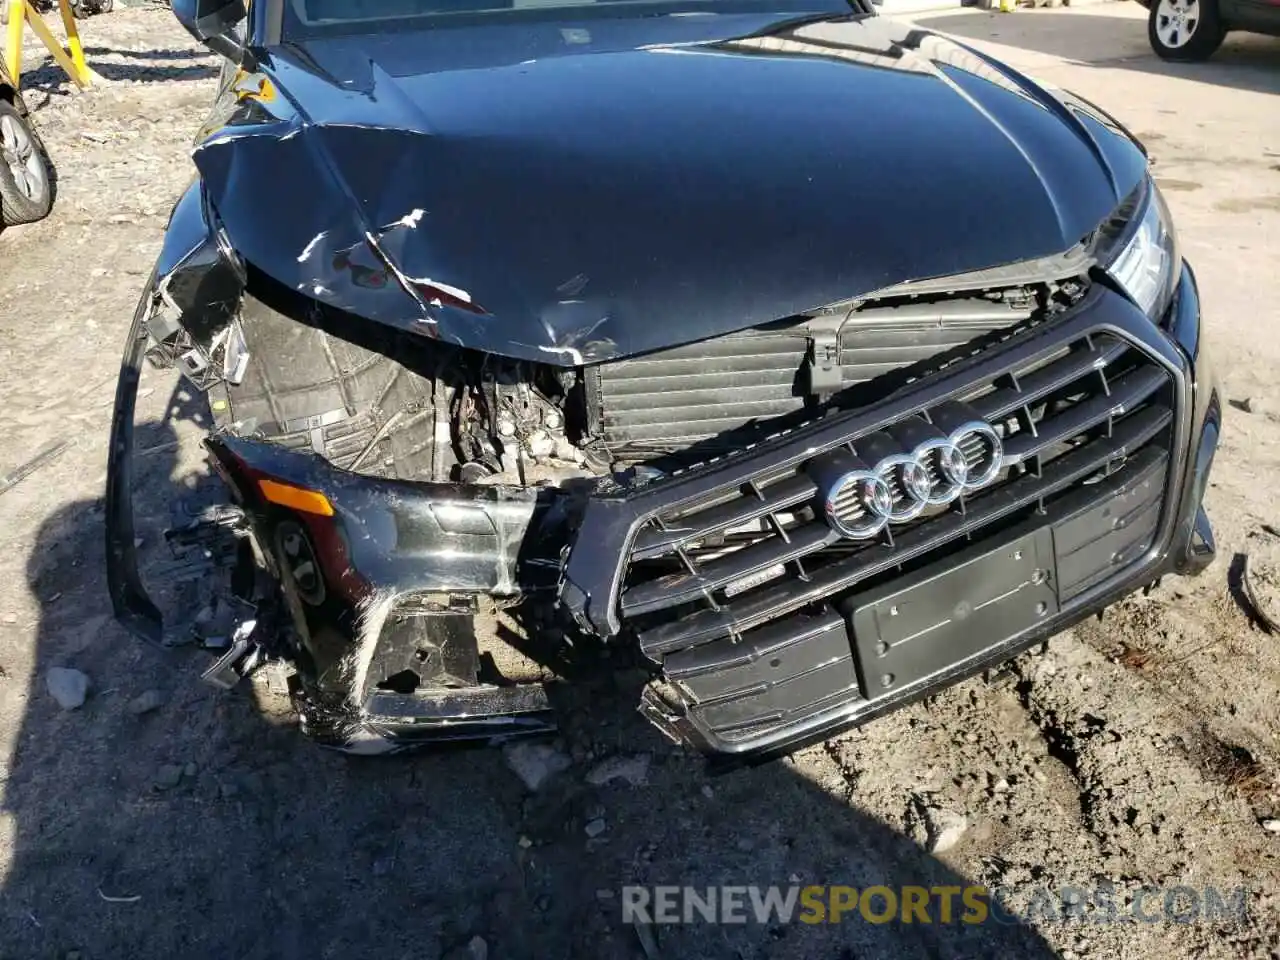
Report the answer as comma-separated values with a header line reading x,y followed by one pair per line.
x,y
129,599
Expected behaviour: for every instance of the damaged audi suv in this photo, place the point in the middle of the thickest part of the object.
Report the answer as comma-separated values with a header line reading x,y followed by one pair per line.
x,y
806,360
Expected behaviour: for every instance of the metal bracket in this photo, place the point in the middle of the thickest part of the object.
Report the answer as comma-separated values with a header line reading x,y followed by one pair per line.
x,y
825,372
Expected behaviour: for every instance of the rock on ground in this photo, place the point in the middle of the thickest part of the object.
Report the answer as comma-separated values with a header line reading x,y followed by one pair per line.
x,y
633,769
534,763
168,776
69,687
146,701
945,829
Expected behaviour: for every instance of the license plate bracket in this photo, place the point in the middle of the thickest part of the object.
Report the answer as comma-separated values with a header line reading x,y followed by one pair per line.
x,y
918,626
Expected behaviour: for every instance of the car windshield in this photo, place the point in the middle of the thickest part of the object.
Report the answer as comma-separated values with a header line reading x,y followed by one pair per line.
x,y
319,17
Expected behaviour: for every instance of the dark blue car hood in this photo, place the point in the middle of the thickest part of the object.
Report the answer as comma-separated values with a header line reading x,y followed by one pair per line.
x,y
573,192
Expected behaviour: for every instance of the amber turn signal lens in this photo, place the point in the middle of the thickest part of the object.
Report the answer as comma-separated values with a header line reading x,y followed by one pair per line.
x,y
306,501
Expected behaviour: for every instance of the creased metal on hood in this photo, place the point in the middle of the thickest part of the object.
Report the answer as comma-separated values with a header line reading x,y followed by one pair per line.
x,y
571,196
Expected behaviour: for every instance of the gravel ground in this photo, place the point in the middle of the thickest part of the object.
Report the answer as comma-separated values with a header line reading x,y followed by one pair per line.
x,y
163,818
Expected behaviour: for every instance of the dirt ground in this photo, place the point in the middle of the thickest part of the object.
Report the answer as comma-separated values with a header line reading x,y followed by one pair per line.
x,y
1142,749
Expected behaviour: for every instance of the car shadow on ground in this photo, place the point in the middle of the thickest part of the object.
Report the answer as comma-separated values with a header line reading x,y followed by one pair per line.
x,y
207,826
160,53
1244,62
49,79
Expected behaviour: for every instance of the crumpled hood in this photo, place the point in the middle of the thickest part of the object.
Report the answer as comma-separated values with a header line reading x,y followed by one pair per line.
x,y
572,193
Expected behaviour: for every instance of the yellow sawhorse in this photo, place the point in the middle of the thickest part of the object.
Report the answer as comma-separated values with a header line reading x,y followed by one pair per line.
x,y
70,59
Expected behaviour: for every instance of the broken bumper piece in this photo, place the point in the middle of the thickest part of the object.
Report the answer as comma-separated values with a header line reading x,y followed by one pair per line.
x,y
381,586
387,582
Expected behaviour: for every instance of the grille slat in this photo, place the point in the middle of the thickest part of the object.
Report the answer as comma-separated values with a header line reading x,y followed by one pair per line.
x,y
755,646
1048,379
778,702
785,493
1126,393
808,661
678,588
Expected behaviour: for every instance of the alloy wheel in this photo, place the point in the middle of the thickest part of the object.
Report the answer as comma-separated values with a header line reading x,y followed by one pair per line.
x,y
18,152
1176,21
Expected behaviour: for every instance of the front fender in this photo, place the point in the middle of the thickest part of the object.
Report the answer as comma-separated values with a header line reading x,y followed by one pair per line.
x,y
198,277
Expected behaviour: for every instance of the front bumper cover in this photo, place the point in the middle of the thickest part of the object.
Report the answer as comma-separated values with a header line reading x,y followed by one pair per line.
x,y
449,544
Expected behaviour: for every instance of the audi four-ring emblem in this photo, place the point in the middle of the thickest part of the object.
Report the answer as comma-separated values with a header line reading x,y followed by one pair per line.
x,y
895,474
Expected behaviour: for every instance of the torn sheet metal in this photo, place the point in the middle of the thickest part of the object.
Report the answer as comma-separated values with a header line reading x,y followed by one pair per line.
x,y
571,202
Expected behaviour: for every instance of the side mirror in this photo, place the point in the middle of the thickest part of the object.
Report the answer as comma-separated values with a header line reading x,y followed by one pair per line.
x,y
213,23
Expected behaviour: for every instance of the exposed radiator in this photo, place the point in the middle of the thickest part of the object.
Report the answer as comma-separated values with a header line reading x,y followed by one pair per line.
x,y
672,398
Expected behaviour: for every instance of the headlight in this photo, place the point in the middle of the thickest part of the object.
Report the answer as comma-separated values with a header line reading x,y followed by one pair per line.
x,y
1143,255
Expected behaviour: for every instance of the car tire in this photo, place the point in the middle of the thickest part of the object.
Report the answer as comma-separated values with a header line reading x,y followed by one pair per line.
x,y
26,189
1184,30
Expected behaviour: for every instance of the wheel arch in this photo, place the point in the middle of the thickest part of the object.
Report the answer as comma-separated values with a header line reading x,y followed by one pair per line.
x,y
10,95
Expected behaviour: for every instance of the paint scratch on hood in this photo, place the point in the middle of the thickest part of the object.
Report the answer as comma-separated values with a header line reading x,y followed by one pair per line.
x,y
573,354
311,247
456,292
410,220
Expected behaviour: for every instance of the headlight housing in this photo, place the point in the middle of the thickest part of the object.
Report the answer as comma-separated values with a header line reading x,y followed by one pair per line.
x,y
1139,250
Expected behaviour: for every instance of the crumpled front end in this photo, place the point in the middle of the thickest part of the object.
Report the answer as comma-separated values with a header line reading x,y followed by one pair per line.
x,y
389,585
380,592
838,477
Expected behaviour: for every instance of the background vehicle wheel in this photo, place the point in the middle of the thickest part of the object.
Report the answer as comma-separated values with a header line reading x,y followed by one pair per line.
x,y
1184,29
25,191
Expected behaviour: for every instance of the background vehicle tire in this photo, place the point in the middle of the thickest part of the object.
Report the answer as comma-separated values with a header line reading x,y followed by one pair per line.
x,y
26,193
1184,30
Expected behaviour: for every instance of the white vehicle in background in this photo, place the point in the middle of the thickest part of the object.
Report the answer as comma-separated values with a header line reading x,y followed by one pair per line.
x,y
1191,30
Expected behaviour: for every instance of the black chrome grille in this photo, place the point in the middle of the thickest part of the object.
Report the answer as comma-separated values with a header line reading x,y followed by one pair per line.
x,y
725,589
